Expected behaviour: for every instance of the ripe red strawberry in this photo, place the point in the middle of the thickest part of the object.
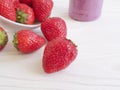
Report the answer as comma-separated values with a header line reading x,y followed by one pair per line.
x,y
3,38
7,9
28,2
59,54
27,41
54,27
15,2
42,9
25,14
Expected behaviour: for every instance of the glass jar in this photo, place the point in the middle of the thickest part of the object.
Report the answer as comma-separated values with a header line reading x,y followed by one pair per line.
x,y
85,10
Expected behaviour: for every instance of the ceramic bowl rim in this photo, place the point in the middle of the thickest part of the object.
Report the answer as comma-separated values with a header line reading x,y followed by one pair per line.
x,y
19,24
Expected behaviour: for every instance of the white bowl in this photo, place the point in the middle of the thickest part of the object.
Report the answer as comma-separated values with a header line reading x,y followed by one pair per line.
x,y
15,26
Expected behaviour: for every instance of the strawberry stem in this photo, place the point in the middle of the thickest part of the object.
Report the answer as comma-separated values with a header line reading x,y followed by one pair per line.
x,y
3,38
72,42
15,42
21,16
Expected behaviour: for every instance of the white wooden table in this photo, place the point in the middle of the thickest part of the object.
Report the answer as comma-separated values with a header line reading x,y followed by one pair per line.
x,y
97,66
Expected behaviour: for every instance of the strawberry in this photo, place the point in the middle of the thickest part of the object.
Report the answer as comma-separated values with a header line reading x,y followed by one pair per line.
x,y
42,9
54,27
27,41
3,38
28,2
59,53
15,2
25,14
7,9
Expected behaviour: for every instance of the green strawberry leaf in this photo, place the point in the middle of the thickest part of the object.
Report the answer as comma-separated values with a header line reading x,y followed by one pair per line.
x,y
15,42
2,38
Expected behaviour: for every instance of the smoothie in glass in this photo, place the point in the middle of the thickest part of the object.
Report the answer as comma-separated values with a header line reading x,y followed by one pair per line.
x,y
85,10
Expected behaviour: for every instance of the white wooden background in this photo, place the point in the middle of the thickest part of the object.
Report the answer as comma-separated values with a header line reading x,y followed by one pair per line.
x,y
97,66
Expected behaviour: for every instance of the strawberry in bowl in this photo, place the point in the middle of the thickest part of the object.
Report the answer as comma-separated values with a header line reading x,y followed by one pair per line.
x,y
24,14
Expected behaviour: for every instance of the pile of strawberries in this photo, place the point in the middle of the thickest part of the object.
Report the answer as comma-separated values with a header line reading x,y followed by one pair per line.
x,y
26,11
59,51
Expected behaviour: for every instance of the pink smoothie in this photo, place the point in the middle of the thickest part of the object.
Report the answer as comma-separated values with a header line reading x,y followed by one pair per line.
x,y
85,10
